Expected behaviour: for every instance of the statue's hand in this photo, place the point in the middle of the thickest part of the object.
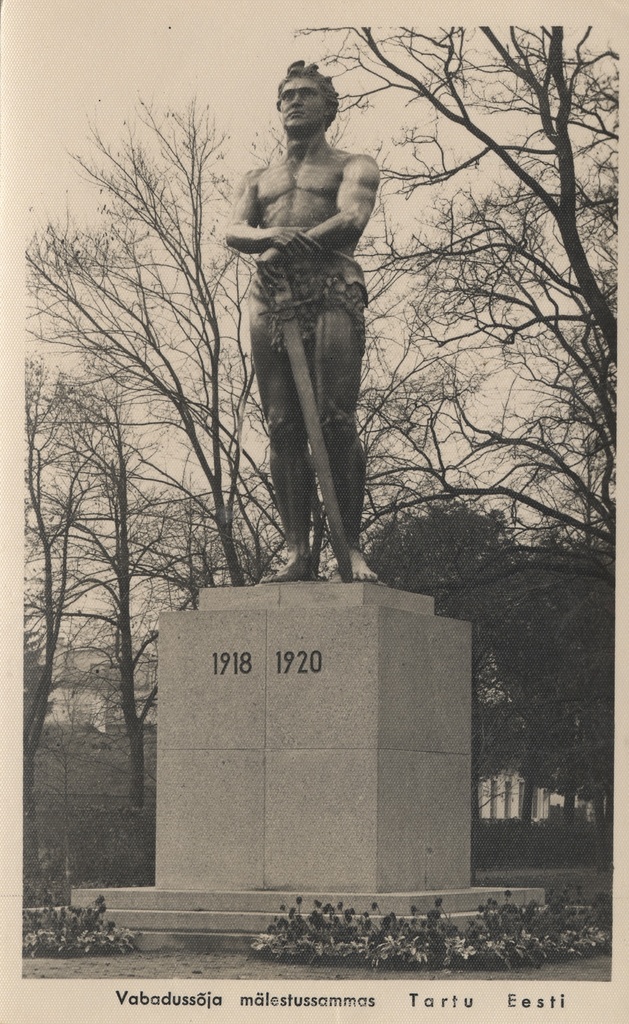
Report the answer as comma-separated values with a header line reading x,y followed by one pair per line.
x,y
295,244
288,244
270,256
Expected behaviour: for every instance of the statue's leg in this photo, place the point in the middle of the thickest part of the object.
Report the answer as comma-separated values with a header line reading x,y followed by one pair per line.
x,y
291,469
337,370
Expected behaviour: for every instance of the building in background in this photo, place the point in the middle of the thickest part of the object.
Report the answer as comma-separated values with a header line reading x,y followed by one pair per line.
x,y
501,797
86,690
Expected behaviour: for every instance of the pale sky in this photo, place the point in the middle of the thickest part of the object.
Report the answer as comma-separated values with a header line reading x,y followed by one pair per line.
x,y
69,63
66,63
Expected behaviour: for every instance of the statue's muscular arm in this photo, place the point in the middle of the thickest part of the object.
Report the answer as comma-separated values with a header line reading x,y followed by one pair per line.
x,y
355,201
244,233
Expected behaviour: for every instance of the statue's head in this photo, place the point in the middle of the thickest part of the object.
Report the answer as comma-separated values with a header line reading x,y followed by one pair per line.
x,y
300,70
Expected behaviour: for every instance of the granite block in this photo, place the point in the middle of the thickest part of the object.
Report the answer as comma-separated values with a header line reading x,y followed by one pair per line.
x,y
236,598
425,669
352,595
269,901
336,706
309,595
205,703
423,820
321,817
342,766
210,819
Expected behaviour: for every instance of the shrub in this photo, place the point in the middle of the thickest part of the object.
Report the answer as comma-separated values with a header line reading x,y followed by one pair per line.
x,y
513,843
504,935
509,935
72,931
108,845
43,892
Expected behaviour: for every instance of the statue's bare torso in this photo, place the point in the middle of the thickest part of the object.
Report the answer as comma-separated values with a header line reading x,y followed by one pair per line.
x,y
322,197
305,196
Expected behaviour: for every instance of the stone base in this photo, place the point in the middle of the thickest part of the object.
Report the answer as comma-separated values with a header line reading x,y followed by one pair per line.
x,y
313,737
214,921
313,740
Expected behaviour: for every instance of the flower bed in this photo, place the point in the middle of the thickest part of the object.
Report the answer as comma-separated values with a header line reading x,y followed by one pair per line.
x,y
505,935
72,931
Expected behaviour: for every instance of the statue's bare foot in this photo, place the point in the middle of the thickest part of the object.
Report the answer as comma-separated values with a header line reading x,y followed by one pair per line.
x,y
361,573
297,570
360,570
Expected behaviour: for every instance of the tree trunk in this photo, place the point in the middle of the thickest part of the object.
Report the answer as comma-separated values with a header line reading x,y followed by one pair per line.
x,y
527,802
136,766
231,555
569,804
32,868
603,833
526,812
35,716
133,725
474,807
135,730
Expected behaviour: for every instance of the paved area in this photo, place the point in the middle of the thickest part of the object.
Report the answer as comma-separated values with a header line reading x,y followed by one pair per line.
x,y
244,965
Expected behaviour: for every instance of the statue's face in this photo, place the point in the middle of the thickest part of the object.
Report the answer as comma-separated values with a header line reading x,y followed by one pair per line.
x,y
302,106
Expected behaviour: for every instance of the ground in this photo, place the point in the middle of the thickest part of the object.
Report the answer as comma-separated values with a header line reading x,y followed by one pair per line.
x,y
247,966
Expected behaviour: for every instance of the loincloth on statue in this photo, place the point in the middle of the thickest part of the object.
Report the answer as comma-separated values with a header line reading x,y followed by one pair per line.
x,y
335,282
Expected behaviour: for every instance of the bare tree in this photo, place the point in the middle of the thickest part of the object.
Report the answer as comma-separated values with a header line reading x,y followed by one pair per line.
x,y
104,542
124,564
55,496
562,107
154,302
507,390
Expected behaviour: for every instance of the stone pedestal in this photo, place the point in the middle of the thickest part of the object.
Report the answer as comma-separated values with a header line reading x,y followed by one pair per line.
x,y
313,741
314,738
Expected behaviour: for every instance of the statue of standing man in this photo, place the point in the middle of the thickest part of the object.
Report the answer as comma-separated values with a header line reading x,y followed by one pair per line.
x,y
305,215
